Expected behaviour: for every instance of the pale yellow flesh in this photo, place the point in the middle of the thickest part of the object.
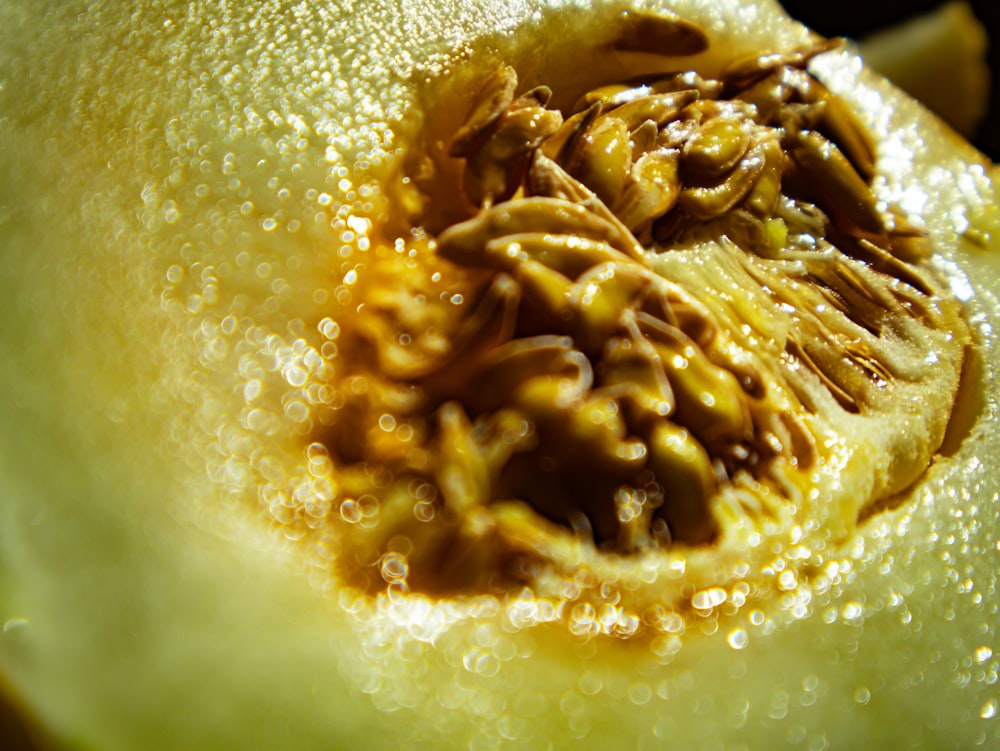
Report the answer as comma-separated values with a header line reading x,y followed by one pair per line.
x,y
941,59
141,605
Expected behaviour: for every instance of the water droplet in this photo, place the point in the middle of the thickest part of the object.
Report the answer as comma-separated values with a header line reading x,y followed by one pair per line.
x,y
737,638
989,710
295,376
640,693
14,624
852,611
709,598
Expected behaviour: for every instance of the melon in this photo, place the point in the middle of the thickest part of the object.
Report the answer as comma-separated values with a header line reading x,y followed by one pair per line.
x,y
283,283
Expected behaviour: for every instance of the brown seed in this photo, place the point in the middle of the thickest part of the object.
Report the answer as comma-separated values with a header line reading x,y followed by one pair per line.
x,y
563,145
742,72
643,139
462,474
652,189
547,179
464,243
599,299
769,95
490,324
611,96
597,433
660,108
546,306
513,363
891,264
684,469
845,379
630,371
911,248
660,33
710,402
498,93
604,159
493,172
839,124
766,192
707,202
825,177
714,148
708,88
570,255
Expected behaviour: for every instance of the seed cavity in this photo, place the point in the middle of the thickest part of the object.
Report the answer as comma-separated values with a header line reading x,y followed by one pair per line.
x,y
643,341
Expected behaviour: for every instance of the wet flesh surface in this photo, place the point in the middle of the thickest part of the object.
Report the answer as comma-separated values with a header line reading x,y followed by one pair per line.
x,y
550,372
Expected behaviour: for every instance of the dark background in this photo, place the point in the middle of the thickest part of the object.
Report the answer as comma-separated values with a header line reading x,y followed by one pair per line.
x,y
854,19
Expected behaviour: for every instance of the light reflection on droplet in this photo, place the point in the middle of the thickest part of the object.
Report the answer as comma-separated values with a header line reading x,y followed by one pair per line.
x,y
852,611
737,638
640,693
989,710
709,598
13,624
778,708
590,684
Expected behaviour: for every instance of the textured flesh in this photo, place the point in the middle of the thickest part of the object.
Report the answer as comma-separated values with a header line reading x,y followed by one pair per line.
x,y
143,156
784,459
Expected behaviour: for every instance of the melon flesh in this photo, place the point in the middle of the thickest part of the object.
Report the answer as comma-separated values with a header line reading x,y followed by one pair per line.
x,y
179,184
